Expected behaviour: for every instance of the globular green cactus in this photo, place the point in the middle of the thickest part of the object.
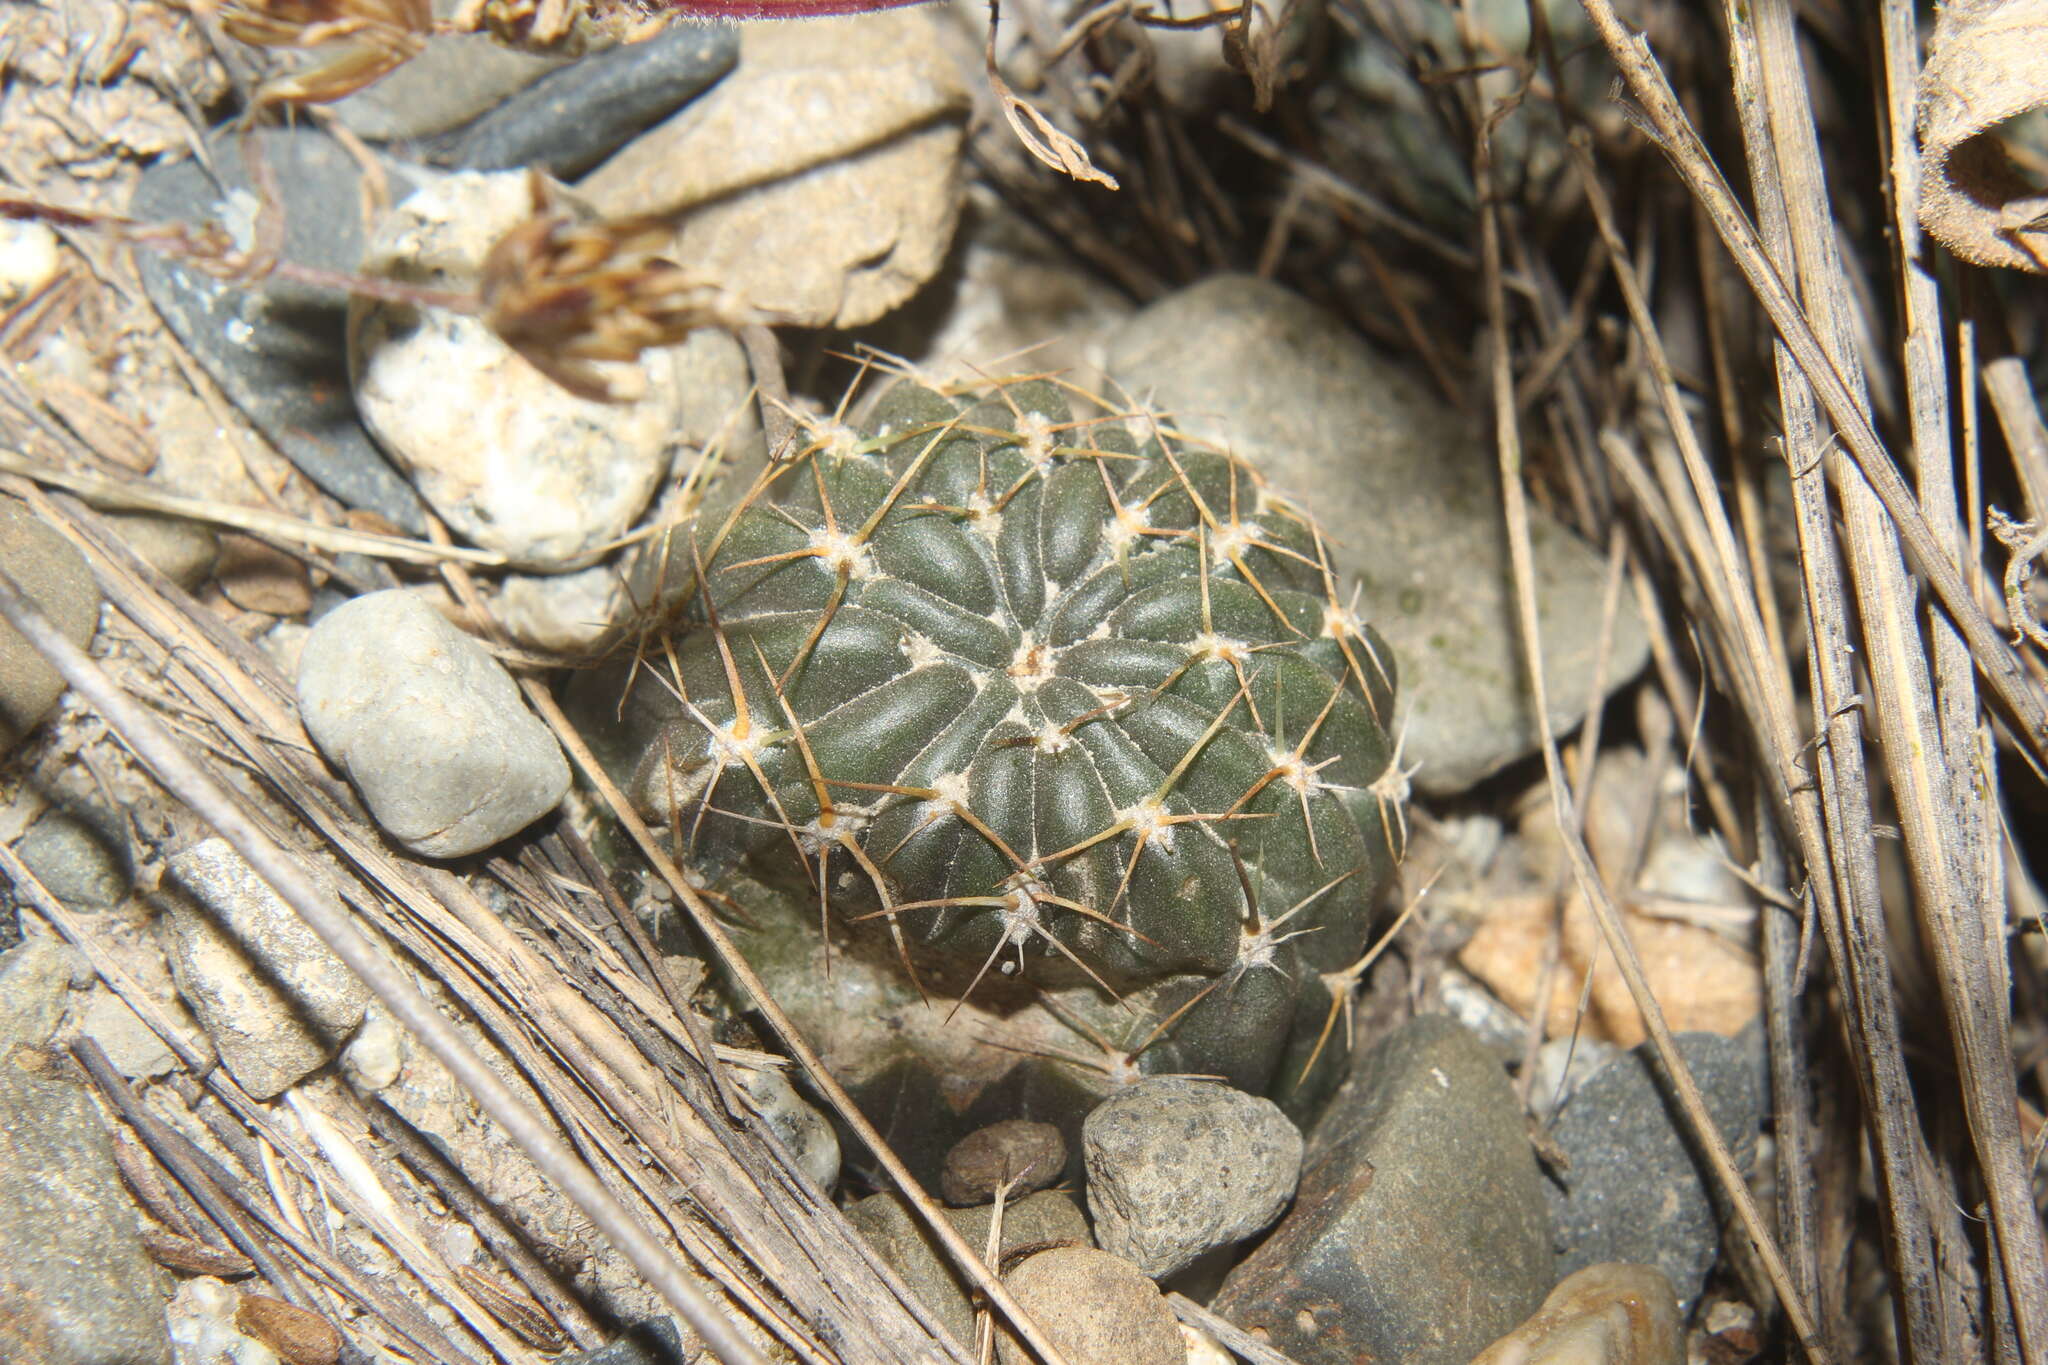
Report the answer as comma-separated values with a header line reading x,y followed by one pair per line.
x,y
1022,692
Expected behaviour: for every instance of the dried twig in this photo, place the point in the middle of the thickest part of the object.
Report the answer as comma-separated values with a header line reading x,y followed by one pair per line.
x,y
168,760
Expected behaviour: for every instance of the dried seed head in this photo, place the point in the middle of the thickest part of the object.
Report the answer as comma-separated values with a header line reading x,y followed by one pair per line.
x,y
560,27
361,41
564,294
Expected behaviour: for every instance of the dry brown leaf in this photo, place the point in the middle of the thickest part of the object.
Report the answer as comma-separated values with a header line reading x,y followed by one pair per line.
x,y
298,1336
1988,64
257,576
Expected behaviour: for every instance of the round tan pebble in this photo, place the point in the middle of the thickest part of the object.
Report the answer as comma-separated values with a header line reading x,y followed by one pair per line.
x,y
1032,1154
1098,1309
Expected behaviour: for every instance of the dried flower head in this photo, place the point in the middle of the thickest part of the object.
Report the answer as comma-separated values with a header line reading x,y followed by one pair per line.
x,y
565,293
361,41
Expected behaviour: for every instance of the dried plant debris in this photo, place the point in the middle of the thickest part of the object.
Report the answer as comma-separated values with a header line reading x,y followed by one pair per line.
x,y
1987,68
564,293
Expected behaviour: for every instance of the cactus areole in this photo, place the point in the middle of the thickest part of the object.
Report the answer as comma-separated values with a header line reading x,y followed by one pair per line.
x,y
1018,694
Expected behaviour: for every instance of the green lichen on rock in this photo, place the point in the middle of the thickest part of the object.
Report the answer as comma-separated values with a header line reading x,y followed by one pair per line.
x,y
1018,695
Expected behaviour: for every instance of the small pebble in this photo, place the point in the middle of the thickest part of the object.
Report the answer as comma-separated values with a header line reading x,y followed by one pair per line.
x,y
1098,1309
74,862
1635,1191
561,613
298,1335
799,1126
135,1049
35,982
1607,1314
430,728
652,1342
457,78
376,1055
28,258
181,550
256,576
201,1317
1179,1167
272,997
1034,1155
55,577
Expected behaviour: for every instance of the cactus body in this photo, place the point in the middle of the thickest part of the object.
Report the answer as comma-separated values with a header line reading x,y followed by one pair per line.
x,y
1023,693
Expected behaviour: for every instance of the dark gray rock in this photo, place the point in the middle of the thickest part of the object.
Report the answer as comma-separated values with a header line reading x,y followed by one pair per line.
x,y
430,728
900,1239
1031,1154
74,862
1179,1167
76,1287
1636,1191
1419,1233
571,119
55,577
278,349
1098,1309
1405,486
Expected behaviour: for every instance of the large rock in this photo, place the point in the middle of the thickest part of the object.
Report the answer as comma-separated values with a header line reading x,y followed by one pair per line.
x,y
1405,487
1179,1167
1419,1232
270,994
822,176
509,458
430,728
1637,1189
55,577
76,1287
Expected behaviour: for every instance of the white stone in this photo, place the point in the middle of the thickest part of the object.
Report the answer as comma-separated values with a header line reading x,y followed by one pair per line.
x,y
376,1055
29,258
510,459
